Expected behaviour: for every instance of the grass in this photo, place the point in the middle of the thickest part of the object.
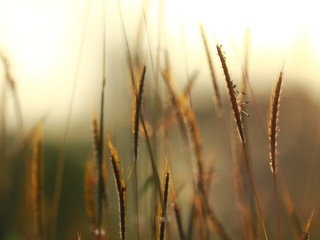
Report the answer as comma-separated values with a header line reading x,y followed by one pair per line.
x,y
145,209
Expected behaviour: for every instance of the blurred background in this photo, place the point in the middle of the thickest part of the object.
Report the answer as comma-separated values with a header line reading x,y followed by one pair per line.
x,y
54,53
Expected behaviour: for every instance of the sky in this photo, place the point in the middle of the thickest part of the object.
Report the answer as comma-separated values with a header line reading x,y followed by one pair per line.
x,y
53,44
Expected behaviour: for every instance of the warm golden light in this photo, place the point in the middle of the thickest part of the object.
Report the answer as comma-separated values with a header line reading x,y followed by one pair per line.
x,y
42,38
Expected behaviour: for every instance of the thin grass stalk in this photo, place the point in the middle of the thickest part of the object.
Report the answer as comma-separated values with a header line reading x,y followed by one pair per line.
x,y
183,110
212,71
89,199
310,159
153,162
219,109
132,75
179,220
138,101
127,48
201,183
121,189
4,164
157,100
234,105
179,106
61,160
177,212
306,233
272,130
101,187
137,115
163,218
138,46
11,82
36,177
198,148
288,203
243,101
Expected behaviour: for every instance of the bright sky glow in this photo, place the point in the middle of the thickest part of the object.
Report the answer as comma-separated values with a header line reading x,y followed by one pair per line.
x,y
42,40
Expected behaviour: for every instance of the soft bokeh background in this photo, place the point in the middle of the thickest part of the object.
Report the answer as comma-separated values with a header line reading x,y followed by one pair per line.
x,y
52,46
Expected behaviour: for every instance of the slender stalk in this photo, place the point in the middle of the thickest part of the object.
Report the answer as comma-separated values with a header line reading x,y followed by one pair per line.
x,y
219,109
137,116
121,189
36,177
272,130
236,111
164,205
61,160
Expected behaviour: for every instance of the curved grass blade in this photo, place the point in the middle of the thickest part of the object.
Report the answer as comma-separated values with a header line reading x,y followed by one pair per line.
x,y
121,189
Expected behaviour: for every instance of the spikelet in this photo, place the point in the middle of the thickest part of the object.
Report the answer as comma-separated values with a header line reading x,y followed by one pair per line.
x,y
36,177
138,103
231,94
273,122
88,185
96,137
163,212
121,189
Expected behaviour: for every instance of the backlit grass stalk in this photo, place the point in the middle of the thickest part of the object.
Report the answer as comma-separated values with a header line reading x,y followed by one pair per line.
x,y
162,218
198,147
288,203
101,187
177,213
88,186
61,160
201,182
273,129
179,106
306,233
12,84
133,84
138,103
36,180
219,109
236,111
121,189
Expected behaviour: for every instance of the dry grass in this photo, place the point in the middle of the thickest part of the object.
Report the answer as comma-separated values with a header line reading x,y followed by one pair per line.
x,y
144,212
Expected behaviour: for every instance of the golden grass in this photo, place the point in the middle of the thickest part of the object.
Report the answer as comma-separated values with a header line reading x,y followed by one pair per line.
x,y
273,129
163,212
121,189
36,183
202,217
230,86
89,193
